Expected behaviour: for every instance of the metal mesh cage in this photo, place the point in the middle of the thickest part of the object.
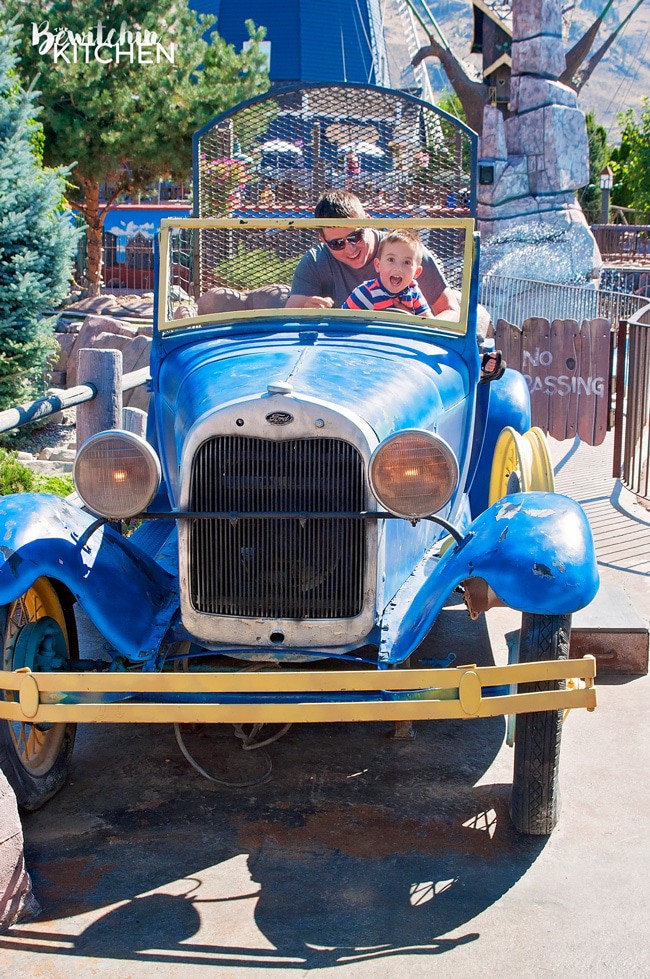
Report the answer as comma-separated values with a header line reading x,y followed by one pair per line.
x,y
263,166
276,155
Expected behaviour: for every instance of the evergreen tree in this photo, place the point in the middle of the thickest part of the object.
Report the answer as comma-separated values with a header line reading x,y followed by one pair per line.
x,y
37,240
128,122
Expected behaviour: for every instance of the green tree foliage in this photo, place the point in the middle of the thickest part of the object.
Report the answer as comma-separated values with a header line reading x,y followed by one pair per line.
x,y
590,195
128,121
449,102
631,161
37,240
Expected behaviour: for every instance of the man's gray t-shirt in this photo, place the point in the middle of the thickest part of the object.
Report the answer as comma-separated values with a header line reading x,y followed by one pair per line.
x,y
319,273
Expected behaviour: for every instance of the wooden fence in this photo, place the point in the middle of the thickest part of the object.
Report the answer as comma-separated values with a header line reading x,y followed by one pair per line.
x,y
567,368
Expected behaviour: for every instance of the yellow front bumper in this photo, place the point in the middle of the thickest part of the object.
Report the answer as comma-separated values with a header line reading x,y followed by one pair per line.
x,y
463,692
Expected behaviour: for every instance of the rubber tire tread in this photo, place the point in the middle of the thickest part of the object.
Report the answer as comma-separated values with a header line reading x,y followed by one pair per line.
x,y
32,791
535,805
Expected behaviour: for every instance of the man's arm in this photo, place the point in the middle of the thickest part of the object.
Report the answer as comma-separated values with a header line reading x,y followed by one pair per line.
x,y
306,286
447,306
296,301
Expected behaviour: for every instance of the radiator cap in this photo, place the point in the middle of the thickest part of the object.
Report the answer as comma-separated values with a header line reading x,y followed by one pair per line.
x,y
280,387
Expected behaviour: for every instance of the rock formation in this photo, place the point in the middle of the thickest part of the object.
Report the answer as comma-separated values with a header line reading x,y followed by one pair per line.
x,y
532,162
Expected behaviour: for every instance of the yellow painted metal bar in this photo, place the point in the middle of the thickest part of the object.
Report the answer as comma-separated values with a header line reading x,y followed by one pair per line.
x,y
416,710
294,314
424,223
163,275
317,681
440,693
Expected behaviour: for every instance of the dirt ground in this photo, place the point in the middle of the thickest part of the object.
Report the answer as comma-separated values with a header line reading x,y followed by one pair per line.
x,y
360,853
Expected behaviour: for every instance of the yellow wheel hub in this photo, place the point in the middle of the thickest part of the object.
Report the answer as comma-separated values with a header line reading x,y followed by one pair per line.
x,y
37,746
521,464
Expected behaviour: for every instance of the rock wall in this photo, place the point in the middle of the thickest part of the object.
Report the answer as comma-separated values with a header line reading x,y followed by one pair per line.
x,y
16,899
105,333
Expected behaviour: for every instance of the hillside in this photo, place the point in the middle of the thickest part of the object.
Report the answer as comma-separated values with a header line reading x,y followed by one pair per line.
x,y
620,81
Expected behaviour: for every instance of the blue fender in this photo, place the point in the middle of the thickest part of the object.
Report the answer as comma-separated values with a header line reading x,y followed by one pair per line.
x,y
129,598
535,550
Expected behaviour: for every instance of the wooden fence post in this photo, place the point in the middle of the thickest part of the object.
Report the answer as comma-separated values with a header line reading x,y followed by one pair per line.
x,y
103,369
135,420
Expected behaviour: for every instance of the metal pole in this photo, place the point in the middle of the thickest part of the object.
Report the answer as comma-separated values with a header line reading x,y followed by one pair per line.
x,y
604,205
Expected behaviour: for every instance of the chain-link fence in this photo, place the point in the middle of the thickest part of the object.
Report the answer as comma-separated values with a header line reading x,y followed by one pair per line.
x,y
515,300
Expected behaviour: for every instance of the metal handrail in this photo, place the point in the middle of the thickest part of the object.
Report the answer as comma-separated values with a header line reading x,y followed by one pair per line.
x,y
59,399
631,459
638,316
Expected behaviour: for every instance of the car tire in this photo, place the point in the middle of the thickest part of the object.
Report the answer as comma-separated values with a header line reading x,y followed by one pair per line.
x,y
36,758
535,806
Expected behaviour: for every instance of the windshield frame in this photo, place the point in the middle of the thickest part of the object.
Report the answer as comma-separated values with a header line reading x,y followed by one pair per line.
x,y
168,225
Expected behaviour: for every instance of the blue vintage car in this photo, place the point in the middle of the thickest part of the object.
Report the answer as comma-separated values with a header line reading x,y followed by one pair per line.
x,y
314,483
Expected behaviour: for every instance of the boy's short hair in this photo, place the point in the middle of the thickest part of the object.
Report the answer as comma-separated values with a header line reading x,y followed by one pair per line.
x,y
339,204
407,237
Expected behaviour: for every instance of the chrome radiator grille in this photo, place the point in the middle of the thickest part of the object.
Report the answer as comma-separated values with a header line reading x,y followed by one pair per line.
x,y
277,568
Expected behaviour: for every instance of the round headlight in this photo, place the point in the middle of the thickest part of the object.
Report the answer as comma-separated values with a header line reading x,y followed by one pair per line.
x,y
413,473
116,474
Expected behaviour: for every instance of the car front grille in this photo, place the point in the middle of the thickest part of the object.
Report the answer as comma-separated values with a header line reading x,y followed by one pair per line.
x,y
269,567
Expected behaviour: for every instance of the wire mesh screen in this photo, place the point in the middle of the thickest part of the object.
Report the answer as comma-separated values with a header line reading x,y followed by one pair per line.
x,y
250,264
278,154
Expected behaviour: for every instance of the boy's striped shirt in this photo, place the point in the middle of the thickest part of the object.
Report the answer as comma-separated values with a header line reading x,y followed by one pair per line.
x,y
372,295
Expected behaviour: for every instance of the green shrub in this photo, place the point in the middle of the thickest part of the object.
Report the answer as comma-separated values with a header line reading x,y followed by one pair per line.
x,y
14,476
59,484
250,269
18,478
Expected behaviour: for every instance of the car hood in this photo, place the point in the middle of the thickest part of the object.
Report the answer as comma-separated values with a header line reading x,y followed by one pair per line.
x,y
391,383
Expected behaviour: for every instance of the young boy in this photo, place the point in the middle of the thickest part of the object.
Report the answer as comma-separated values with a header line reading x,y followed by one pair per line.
x,y
398,264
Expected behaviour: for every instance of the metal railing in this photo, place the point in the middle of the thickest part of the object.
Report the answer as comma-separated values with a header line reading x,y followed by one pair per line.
x,y
632,420
623,242
516,300
58,399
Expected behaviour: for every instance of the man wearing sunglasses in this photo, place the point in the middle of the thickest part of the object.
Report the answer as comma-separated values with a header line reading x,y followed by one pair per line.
x,y
328,273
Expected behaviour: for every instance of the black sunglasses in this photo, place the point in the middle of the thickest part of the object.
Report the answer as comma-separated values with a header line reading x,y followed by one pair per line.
x,y
338,244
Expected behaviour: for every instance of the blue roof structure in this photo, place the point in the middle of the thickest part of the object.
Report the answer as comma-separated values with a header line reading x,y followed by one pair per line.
x,y
310,40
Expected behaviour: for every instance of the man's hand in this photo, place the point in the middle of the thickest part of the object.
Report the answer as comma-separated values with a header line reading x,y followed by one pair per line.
x,y
400,307
309,302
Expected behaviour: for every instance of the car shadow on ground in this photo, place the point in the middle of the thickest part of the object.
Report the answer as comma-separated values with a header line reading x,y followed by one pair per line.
x,y
359,847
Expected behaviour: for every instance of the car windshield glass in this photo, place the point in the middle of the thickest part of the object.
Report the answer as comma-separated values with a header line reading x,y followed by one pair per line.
x,y
214,271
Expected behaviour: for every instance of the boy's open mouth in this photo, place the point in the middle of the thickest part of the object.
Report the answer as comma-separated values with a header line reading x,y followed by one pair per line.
x,y
395,281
